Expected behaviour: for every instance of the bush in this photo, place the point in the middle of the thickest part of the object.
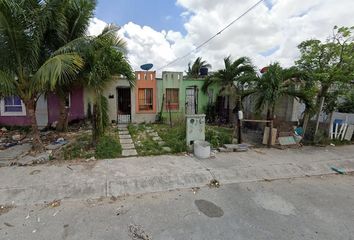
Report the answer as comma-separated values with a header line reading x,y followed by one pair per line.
x,y
218,136
108,147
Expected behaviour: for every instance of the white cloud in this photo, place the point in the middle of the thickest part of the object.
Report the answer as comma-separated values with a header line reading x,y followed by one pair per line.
x,y
279,25
96,26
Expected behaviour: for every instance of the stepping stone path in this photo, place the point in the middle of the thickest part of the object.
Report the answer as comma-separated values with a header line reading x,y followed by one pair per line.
x,y
155,137
128,148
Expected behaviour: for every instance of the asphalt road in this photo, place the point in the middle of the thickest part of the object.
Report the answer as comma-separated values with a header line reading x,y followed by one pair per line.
x,y
306,208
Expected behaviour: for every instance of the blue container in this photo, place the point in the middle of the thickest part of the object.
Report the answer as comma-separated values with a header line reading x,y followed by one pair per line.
x,y
204,71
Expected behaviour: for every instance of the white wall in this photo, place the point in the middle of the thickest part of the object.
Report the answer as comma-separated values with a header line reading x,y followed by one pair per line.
x,y
344,116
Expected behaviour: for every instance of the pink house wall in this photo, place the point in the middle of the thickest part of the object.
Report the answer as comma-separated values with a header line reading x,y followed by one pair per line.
x,y
76,109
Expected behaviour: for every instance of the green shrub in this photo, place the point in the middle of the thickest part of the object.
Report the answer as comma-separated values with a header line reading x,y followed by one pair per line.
x,y
218,136
108,147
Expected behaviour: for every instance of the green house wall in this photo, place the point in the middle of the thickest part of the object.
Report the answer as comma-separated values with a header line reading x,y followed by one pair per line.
x,y
176,80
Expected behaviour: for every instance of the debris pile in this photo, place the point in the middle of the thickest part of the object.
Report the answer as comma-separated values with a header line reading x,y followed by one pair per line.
x,y
136,232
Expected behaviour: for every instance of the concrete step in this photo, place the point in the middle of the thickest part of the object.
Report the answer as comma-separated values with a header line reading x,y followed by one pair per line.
x,y
129,152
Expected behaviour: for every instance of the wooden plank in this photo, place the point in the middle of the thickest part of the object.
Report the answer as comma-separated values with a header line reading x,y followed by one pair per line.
x,y
260,121
349,133
266,136
286,141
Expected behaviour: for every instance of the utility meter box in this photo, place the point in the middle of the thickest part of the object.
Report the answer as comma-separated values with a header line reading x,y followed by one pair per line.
x,y
195,127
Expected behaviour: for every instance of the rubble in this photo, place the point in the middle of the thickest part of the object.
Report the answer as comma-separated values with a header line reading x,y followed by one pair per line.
x,y
137,232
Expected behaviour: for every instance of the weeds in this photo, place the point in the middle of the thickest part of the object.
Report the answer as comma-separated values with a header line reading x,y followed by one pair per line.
x,y
108,147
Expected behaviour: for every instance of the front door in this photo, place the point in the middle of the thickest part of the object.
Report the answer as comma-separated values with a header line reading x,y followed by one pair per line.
x,y
190,101
124,105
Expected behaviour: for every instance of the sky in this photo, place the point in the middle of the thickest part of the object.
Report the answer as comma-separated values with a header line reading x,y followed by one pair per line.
x,y
159,31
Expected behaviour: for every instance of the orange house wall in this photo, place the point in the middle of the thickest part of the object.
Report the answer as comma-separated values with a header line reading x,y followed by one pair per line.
x,y
150,82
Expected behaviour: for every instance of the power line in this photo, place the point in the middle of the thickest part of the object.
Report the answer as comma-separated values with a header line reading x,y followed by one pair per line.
x,y
214,36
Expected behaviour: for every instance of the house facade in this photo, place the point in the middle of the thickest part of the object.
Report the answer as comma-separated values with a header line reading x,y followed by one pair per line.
x,y
149,98
13,111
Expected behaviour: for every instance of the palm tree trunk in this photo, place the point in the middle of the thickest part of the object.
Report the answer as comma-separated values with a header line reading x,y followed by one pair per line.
x,y
94,125
62,125
305,123
37,144
97,126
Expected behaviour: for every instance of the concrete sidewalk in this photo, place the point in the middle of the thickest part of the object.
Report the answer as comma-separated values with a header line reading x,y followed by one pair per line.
x,y
117,177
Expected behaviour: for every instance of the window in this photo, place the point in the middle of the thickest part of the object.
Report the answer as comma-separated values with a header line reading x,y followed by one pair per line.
x,y
68,101
172,98
12,106
145,99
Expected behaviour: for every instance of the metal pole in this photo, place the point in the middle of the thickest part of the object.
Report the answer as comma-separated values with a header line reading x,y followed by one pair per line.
x,y
169,111
270,134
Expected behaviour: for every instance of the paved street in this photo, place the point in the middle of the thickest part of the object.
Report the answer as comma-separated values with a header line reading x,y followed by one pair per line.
x,y
139,175
302,208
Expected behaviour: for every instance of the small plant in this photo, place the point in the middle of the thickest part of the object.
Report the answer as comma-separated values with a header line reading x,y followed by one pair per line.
x,y
79,149
218,136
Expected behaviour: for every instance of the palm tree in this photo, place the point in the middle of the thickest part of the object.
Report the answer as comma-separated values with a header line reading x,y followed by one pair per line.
x,y
235,79
27,66
194,70
275,83
104,57
78,14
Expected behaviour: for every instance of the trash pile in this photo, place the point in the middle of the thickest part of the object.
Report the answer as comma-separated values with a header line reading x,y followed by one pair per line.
x,y
12,138
15,146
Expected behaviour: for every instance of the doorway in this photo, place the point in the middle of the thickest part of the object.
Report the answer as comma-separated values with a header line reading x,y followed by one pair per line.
x,y
191,101
123,105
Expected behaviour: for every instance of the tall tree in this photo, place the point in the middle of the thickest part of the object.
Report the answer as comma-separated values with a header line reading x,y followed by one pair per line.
x,y
27,66
275,83
104,57
328,64
235,79
77,14
194,69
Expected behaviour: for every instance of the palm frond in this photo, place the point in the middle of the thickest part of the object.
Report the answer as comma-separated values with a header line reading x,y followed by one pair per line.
x,y
58,69
7,84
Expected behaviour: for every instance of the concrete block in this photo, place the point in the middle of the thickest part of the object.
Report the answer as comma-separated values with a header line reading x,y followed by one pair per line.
x,y
123,132
167,149
125,141
129,152
153,134
128,146
156,139
125,137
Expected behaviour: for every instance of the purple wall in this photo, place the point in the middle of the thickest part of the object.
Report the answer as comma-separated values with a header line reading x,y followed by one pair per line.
x,y
77,106
76,110
14,121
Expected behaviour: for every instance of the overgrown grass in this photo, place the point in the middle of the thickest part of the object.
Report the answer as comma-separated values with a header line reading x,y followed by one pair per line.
x,y
108,147
174,137
79,149
144,144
